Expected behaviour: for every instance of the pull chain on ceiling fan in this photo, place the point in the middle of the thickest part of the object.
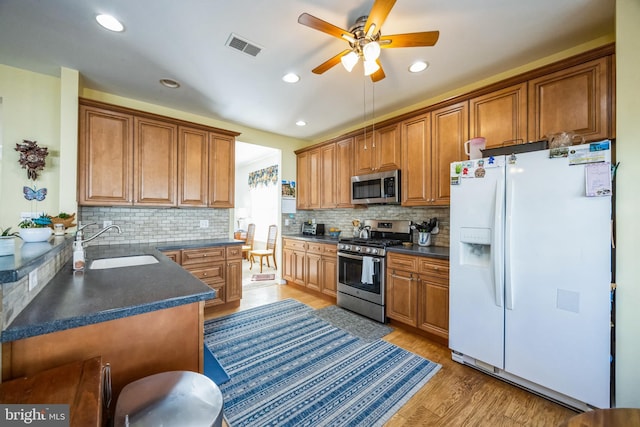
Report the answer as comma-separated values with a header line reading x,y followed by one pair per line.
x,y
366,41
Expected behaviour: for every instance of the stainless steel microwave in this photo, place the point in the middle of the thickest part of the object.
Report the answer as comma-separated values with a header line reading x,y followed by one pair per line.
x,y
375,188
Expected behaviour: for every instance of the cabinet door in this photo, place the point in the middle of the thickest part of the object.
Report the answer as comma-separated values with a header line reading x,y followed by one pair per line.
x,y
364,158
416,161
234,280
328,177
313,271
402,295
433,311
303,176
329,270
449,131
156,165
299,268
105,157
314,179
175,256
576,99
500,116
386,145
344,171
193,163
288,264
222,157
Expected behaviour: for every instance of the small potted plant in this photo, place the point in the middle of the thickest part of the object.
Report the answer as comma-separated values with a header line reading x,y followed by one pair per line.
x,y
7,241
35,229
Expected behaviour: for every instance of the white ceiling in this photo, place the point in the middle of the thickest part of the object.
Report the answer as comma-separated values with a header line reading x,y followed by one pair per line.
x,y
185,40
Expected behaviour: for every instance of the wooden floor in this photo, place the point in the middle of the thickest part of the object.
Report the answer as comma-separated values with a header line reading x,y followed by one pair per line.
x,y
456,396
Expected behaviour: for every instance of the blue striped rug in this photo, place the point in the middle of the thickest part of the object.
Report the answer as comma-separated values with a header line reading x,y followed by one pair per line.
x,y
291,368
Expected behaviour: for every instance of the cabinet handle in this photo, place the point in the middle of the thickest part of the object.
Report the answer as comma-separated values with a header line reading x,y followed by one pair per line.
x,y
204,274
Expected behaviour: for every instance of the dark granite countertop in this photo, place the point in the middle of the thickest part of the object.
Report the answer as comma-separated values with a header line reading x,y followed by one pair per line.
x,y
72,299
441,252
29,256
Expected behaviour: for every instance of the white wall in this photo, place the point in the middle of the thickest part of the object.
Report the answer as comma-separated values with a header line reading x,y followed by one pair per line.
x,y
628,203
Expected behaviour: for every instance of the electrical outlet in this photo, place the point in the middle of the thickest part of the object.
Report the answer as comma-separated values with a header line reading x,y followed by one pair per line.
x,y
204,223
33,279
106,224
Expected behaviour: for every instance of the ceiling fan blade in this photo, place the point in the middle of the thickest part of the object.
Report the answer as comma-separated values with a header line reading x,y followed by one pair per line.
x,y
330,62
320,25
378,15
378,75
427,38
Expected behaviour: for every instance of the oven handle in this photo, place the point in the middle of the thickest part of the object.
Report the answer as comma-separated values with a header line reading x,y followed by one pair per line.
x,y
358,257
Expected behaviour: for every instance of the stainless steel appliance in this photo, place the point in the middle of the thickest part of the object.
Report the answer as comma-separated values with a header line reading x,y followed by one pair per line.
x,y
361,267
376,188
312,229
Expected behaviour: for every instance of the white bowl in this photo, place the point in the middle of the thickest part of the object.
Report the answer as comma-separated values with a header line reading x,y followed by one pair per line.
x,y
35,234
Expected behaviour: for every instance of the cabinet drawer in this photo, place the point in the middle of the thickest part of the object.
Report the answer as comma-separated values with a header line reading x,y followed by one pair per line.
x,y
329,250
294,244
210,274
315,248
436,269
203,255
402,262
234,252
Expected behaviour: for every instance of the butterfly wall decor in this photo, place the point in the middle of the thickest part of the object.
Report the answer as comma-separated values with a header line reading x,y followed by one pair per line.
x,y
33,194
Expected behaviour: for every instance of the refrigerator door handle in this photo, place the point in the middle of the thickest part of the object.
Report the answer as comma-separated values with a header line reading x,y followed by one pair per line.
x,y
498,278
508,289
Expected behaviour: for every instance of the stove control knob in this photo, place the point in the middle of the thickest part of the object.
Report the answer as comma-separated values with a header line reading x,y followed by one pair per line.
x,y
374,251
357,249
369,250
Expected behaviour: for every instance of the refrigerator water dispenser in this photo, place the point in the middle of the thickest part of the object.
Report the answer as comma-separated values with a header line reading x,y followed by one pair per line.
x,y
475,246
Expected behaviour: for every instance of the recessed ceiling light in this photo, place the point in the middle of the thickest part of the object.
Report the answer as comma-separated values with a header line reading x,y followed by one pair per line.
x,y
110,23
170,83
291,78
301,123
418,66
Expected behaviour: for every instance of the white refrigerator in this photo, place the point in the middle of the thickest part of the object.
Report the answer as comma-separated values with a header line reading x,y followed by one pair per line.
x,y
530,270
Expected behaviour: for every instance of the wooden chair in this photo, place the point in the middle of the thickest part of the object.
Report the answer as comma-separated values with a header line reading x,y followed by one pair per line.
x,y
248,244
270,251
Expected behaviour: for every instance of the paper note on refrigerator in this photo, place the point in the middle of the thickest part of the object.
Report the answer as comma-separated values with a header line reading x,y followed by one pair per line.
x,y
598,177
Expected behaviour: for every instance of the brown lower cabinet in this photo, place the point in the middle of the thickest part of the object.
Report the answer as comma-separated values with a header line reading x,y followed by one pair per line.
x,y
220,267
418,293
312,265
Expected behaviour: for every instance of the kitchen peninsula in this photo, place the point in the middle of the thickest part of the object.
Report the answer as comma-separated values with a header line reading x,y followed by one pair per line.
x,y
142,319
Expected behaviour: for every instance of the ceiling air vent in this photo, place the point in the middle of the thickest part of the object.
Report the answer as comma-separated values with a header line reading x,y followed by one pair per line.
x,y
243,45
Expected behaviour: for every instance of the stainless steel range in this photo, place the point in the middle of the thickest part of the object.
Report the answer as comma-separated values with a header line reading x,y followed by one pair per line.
x,y
361,266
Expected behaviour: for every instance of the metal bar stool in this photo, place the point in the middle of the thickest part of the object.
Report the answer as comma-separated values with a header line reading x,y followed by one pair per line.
x,y
170,399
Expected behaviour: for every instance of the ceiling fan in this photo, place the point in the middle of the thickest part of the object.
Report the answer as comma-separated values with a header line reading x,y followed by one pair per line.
x,y
365,40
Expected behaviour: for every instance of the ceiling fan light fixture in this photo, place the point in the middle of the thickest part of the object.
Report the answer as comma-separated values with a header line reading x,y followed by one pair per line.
x,y
371,51
110,23
349,60
418,66
370,67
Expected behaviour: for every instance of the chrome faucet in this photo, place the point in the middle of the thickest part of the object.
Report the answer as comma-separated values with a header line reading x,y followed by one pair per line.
x,y
80,233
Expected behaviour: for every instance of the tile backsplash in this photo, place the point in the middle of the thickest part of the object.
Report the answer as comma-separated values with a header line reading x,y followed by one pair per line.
x,y
148,225
341,218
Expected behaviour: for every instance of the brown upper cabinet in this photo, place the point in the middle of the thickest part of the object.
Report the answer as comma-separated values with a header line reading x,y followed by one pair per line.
x,y
449,131
328,176
105,157
576,99
378,150
308,176
127,157
500,117
155,165
344,171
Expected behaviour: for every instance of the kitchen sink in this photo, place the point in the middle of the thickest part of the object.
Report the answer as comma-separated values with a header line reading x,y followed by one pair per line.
x,y
125,261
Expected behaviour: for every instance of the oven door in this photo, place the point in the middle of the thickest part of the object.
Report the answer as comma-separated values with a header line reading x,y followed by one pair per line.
x,y
350,277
